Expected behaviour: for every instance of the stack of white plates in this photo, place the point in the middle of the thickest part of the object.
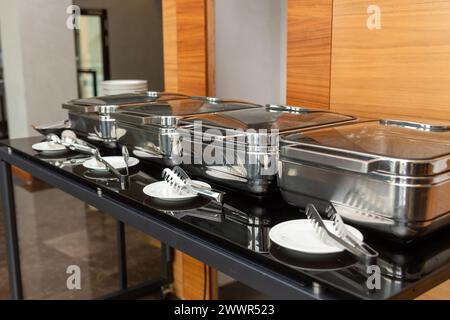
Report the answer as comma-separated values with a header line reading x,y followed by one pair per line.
x,y
112,87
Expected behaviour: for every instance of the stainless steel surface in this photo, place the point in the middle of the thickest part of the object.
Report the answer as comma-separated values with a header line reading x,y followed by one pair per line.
x,y
375,146
416,125
92,118
80,146
393,179
126,157
337,239
155,128
246,159
342,232
199,189
296,109
96,127
137,118
54,128
81,105
123,179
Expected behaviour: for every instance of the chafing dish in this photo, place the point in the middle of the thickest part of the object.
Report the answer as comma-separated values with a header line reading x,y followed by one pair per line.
x,y
240,149
386,175
91,118
153,132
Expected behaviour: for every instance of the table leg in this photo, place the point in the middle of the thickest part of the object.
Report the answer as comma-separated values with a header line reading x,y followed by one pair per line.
x,y
12,241
4,130
122,255
167,260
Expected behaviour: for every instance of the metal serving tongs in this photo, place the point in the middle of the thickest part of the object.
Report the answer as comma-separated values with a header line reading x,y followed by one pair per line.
x,y
81,146
343,232
178,179
341,239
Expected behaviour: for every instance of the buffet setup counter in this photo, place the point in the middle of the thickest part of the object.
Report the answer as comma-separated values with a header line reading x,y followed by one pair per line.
x,y
241,236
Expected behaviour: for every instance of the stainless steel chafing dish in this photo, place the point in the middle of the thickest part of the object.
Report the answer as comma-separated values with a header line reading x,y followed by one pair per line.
x,y
91,118
387,175
152,130
240,149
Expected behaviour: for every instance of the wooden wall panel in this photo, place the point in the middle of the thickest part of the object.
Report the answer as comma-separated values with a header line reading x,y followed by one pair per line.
x,y
185,46
308,55
189,57
170,45
189,278
399,71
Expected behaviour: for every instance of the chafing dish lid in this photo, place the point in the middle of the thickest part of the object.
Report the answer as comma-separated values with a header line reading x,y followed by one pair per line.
x,y
390,146
93,104
272,117
260,127
169,112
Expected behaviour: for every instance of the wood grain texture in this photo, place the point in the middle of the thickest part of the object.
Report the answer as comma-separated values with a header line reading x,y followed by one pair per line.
x,y
189,278
170,45
24,176
210,48
185,45
400,71
441,292
189,67
308,52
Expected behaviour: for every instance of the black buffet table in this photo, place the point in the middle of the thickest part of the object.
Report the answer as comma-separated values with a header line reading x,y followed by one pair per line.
x,y
232,238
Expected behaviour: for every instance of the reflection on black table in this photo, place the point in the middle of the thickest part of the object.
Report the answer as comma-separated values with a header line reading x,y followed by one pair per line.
x,y
243,224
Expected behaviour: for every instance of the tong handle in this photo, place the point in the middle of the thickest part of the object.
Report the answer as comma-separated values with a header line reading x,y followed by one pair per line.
x,y
361,254
122,178
207,193
348,236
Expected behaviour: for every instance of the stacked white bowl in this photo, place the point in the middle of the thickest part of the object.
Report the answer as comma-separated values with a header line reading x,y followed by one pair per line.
x,y
112,87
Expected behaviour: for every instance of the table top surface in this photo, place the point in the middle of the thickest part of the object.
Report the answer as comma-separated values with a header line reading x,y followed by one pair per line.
x,y
242,224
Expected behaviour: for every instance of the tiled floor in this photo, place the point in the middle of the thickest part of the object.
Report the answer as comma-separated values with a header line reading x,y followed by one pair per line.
x,y
56,231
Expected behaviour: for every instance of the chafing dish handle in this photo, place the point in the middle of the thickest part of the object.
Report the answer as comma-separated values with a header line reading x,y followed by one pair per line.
x,y
139,119
80,108
132,118
286,108
101,108
331,158
416,125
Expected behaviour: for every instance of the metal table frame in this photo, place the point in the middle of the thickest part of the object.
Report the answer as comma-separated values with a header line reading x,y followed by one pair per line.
x,y
12,242
237,265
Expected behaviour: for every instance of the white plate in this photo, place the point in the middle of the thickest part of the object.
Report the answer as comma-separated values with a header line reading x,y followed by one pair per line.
x,y
117,162
163,191
125,91
299,235
119,88
48,147
125,88
109,83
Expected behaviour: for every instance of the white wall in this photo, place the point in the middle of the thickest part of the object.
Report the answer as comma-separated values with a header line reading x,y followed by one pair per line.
x,y
135,38
251,50
39,62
